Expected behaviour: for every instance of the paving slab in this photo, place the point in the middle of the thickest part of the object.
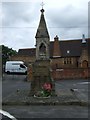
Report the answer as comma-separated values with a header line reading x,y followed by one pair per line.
x,y
63,97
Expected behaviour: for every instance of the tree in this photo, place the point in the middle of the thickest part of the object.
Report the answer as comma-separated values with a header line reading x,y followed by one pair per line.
x,y
6,53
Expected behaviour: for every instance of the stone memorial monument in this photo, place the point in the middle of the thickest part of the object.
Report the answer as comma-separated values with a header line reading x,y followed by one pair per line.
x,y
42,85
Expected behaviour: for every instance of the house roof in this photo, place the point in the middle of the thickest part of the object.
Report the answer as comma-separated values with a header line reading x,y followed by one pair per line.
x,y
27,52
73,47
70,48
67,48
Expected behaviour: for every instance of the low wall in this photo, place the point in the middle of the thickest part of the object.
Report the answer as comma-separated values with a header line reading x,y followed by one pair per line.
x,y
59,74
70,74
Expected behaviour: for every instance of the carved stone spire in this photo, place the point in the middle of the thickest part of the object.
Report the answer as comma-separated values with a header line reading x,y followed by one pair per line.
x,y
42,28
42,39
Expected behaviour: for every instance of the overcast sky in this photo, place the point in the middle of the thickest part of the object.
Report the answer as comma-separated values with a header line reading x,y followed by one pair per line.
x,y
19,20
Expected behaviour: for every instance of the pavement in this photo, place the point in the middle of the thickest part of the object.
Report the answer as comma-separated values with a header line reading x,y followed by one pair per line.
x,y
64,97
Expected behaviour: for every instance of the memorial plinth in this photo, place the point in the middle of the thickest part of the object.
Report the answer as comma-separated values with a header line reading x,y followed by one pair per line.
x,y
42,85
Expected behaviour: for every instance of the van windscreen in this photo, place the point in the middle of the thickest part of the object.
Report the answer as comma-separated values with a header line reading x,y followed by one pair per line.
x,y
22,66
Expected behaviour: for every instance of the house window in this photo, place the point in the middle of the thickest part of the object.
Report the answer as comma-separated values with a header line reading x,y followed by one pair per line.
x,y
70,61
67,61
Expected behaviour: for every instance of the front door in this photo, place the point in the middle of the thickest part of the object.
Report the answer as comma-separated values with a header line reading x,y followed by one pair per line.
x,y
85,64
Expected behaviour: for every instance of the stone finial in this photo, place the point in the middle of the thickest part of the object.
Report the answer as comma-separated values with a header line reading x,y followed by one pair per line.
x,y
42,10
56,37
83,38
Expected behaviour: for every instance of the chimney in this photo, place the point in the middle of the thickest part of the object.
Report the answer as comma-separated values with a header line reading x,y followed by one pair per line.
x,y
56,47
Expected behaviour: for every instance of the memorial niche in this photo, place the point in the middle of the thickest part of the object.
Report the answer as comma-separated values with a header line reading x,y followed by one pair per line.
x,y
42,50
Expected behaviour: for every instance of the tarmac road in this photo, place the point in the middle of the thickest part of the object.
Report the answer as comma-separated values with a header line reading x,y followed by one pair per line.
x,y
47,111
80,87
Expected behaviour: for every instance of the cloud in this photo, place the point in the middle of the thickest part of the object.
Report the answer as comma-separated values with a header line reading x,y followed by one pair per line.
x,y
67,19
18,38
70,21
71,15
17,13
70,18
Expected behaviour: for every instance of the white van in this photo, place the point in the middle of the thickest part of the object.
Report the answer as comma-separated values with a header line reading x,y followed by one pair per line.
x,y
15,67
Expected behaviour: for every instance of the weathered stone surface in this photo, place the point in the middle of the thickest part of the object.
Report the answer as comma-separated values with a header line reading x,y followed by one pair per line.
x,y
41,75
23,98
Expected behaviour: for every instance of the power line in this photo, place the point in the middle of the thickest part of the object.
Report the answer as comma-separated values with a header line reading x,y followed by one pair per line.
x,y
48,27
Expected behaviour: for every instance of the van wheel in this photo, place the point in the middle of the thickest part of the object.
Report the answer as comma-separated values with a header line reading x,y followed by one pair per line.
x,y
26,73
8,72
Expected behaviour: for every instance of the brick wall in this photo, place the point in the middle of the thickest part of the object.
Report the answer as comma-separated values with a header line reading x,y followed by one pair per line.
x,y
26,59
70,74
59,63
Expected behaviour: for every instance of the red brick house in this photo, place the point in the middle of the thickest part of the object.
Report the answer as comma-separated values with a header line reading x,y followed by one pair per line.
x,y
67,55
63,54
